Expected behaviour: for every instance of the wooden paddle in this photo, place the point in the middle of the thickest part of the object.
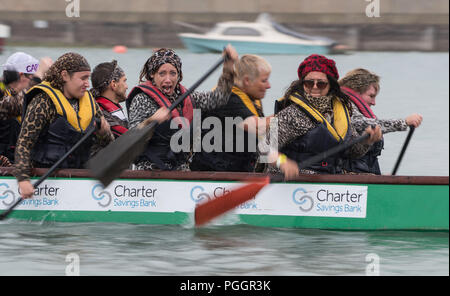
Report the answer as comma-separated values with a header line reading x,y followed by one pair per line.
x,y
53,167
402,152
107,165
211,209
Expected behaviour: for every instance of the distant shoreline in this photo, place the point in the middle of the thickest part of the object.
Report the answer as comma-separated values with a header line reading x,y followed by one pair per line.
x,y
107,46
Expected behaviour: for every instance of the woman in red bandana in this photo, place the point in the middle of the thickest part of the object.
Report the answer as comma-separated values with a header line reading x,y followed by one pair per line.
x,y
314,116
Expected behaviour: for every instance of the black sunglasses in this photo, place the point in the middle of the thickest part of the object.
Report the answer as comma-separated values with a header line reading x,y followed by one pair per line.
x,y
319,83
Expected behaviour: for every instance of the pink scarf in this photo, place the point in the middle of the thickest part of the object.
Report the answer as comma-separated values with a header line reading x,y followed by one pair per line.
x,y
363,107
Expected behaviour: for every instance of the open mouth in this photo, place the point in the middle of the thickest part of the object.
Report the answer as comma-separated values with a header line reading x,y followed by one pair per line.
x,y
167,89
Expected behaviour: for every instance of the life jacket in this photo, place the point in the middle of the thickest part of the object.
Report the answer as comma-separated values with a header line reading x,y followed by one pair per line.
x,y
9,132
158,149
65,131
322,137
116,111
235,161
369,162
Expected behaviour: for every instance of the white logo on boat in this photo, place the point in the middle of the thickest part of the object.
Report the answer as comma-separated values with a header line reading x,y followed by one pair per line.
x,y
301,198
197,197
7,193
99,194
198,193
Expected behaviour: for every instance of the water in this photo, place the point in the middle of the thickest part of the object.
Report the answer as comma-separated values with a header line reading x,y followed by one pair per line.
x,y
411,82
123,249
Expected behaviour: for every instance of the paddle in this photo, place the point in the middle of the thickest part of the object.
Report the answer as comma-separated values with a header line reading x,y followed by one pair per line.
x,y
405,145
213,208
118,155
53,168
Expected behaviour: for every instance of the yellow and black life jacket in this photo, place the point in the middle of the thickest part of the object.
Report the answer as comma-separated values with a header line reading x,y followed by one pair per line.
x,y
243,156
324,136
64,132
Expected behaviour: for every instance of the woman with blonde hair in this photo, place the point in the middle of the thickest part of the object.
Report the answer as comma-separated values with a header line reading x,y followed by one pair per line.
x,y
244,108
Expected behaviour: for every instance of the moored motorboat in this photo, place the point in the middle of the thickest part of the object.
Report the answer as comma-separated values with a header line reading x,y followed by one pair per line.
x,y
341,202
264,36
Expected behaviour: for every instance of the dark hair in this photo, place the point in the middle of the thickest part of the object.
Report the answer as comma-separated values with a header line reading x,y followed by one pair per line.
x,y
145,74
101,74
10,76
71,62
297,87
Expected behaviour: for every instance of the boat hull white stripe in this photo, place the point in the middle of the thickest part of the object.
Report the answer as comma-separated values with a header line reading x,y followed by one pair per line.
x,y
345,201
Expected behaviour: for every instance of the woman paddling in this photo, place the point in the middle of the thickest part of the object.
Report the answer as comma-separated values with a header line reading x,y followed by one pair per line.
x,y
160,86
59,112
362,87
20,72
314,116
244,109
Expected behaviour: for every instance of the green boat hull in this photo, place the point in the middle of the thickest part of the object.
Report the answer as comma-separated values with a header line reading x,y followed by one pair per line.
x,y
391,204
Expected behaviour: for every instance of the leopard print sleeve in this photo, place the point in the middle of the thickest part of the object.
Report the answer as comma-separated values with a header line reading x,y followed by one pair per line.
x,y
360,122
40,112
292,123
357,150
210,100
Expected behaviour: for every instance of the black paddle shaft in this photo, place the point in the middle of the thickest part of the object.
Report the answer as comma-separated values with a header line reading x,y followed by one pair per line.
x,y
52,168
277,178
402,152
321,156
109,163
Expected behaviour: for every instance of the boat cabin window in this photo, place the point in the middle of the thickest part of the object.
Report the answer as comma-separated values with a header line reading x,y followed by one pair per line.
x,y
241,31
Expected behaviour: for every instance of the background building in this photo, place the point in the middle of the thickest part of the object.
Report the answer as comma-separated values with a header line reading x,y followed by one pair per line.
x,y
394,25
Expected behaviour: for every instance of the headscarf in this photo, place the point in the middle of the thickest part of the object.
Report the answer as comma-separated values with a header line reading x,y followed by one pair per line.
x,y
318,63
359,80
160,57
71,62
102,76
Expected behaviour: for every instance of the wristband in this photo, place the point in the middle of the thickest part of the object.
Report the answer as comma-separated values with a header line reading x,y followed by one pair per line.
x,y
282,158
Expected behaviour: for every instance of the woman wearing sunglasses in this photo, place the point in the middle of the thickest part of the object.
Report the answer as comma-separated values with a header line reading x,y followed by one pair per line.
x,y
314,116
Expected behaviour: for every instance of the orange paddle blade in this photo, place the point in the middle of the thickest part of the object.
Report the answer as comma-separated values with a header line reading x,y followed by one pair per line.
x,y
209,210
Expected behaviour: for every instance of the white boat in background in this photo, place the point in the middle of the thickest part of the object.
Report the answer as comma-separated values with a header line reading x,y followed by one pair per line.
x,y
4,34
264,36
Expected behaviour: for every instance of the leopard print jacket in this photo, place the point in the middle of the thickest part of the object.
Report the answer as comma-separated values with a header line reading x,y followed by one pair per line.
x,y
142,107
360,122
40,113
294,123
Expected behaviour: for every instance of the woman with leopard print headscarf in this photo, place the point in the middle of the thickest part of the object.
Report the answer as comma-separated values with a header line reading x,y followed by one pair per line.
x,y
314,116
362,87
160,85
59,112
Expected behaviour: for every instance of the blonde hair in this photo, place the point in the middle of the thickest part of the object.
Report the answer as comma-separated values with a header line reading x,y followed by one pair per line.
x,y
250,65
